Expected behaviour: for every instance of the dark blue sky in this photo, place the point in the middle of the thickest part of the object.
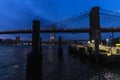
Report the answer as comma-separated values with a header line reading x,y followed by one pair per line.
x,y
18,14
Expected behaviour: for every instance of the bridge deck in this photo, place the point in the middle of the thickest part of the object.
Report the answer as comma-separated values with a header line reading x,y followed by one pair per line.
x,y
85,30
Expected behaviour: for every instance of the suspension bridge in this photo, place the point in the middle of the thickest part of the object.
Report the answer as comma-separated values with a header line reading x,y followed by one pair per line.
x,y
85,30
107,21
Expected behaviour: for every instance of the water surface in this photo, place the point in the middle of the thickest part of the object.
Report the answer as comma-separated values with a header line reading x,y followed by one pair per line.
x,y
70,67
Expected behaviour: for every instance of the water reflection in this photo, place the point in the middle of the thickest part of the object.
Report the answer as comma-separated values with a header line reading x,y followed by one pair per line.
x,y
12,62
71,67
51,54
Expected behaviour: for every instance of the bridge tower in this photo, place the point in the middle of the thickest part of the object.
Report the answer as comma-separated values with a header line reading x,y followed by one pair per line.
x,y
94,24
95,33
52,35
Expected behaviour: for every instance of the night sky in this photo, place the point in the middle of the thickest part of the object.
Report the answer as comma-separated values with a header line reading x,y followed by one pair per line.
x,y
18,14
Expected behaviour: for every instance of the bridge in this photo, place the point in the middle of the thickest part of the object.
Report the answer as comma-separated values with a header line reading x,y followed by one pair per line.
x,y
85,30
96,19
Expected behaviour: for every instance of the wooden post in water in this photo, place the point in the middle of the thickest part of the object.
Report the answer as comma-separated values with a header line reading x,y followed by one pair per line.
x,y
40,45
34,59
60,50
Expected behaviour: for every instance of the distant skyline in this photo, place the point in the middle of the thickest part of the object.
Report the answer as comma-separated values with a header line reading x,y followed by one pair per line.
x,y
18,14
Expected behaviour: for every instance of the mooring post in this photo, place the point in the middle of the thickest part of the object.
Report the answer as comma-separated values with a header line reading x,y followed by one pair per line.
x,y
40,45
60,50
60,42
69,48
34,59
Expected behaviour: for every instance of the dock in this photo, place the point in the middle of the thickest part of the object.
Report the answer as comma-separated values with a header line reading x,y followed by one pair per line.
x,y
106,54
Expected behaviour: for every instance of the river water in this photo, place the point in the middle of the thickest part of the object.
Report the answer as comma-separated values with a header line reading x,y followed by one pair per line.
x,y
70,67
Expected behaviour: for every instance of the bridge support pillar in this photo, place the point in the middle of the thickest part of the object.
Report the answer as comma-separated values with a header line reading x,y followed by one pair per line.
x,y
95,33
60,49
94,23
34,59
112,38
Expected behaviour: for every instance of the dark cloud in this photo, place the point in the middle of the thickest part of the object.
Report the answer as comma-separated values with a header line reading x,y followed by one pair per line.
x,y
20,13
49,7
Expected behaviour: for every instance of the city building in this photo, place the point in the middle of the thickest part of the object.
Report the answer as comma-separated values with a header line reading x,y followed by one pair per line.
x,y
9,41
52,35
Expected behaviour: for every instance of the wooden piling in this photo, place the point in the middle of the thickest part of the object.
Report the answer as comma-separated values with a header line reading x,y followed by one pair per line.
x,y
34,59
60,49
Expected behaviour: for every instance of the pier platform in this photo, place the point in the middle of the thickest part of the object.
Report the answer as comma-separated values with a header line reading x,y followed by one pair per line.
x,y
106,54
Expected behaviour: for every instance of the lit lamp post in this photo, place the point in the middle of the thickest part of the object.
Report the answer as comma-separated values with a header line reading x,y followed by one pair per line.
x,y
111,44
93,44
93,41
107,43
88,43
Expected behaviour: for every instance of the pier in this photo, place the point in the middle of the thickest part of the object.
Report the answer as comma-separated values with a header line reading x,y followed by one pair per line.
x,y
107,54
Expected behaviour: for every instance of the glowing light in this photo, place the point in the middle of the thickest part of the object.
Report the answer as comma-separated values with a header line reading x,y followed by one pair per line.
x,y
93,41
118,45
107,40
88,41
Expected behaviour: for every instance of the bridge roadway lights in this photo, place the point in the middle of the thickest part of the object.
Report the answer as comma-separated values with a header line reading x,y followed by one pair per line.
x,y
34,59
60,49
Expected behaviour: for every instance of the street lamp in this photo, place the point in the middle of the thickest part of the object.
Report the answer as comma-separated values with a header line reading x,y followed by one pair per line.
x,y
88,42
93,41
107,43
93,44
111,44
107,40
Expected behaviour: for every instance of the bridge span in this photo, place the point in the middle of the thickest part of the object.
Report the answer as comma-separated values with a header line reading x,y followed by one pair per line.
x,y
84,30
